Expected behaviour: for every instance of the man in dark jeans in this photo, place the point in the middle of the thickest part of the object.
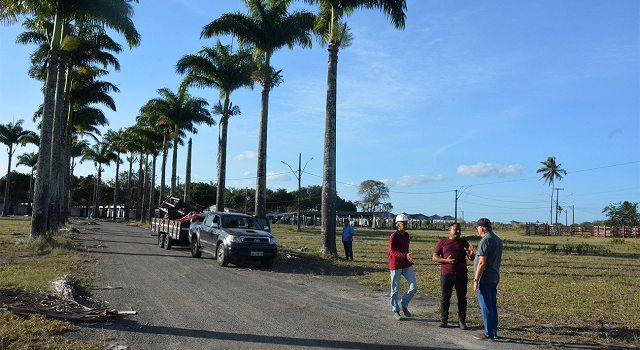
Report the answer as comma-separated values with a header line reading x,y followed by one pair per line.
x,y
451,253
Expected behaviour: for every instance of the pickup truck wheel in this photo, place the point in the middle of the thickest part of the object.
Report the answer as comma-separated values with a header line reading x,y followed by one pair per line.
x,y
195,248
168,242
267,262
160,240
221,256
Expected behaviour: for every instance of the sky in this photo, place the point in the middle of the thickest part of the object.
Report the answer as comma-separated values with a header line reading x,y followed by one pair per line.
x,y
470,96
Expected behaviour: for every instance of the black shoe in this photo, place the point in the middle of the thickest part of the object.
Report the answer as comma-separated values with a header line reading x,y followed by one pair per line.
x,y
406,312
463,325
443,324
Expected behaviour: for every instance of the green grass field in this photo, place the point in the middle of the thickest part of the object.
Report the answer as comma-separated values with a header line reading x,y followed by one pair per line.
x,y
553,290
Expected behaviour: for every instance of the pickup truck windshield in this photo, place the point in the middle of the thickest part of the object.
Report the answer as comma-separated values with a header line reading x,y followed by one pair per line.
x,y
232,221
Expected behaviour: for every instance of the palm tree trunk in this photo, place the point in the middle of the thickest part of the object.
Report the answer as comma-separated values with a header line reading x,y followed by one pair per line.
x,y
140,184
145,199
152,190
115,190
5,206
174,164
66,168
40,217
31,183
58,133
329,194
187,177
129,193
222,161
261,181
163,168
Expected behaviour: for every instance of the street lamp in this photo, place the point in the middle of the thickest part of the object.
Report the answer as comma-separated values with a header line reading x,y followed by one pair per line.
x,y
458,196
299,177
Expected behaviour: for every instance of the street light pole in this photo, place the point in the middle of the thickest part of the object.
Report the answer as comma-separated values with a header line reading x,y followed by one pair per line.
x,y
456,205
557,191
299,177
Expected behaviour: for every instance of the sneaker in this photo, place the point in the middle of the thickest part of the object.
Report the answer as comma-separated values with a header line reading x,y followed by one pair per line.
x,y
482,336
406,312
443,324
396,315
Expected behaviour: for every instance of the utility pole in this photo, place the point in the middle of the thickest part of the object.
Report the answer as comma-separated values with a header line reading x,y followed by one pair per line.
x,y
299,177
456,205
557,191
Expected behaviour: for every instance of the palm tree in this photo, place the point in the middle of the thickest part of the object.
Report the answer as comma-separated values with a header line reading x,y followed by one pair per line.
x,y
119,142
334,31
179,112
101,154
219,67
550,172
76,150
29,160
267,28
11,134
115,14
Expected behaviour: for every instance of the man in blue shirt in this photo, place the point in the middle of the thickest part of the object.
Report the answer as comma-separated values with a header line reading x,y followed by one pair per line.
x,y
487,276
347,239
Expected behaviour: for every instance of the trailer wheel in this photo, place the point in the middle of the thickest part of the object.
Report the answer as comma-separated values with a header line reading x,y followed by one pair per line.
x,y
160,240
221,256
195,248
168,242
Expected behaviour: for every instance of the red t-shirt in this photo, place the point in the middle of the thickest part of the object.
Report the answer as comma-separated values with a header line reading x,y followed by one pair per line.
x,y
454,248
398,249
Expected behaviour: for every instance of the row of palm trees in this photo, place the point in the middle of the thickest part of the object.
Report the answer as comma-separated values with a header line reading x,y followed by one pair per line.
x,y
66,59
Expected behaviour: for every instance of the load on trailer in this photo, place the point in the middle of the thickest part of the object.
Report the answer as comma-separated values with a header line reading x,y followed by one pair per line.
x,y
172,221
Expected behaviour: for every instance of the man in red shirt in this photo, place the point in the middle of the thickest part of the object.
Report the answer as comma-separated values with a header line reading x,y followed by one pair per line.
x,y
452,252
401,264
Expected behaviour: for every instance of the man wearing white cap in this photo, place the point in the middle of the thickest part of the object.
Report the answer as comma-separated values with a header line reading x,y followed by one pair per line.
x,y
401,264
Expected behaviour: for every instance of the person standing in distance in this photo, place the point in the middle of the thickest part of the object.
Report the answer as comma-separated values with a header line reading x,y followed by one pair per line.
x,y
452,253
487,276
401,264
347,240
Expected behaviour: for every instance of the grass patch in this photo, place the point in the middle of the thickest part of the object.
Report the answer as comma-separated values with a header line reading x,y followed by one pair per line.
x,y
31,266
553,290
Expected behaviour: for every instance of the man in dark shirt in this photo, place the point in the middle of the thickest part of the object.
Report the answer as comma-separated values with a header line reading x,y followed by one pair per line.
x,y
451,253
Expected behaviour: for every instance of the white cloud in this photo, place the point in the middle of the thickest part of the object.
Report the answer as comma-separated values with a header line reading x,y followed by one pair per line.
x,y
246,173
246,155
485,169
412,180
278,176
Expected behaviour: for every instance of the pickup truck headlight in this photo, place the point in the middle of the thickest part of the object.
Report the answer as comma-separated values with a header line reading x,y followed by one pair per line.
x,y
234,239
272,240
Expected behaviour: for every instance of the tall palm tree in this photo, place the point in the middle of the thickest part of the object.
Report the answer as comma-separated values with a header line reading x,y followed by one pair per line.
x,y
76,150
219,67
267,27
114,14
29,160
11,134
333,29
551,172
119,142
101,154
180,112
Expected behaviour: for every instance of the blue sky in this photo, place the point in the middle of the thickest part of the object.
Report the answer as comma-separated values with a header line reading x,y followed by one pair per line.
x,y
470,96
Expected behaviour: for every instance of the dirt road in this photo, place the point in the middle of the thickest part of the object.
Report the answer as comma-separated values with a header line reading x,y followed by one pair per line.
x,y
187,303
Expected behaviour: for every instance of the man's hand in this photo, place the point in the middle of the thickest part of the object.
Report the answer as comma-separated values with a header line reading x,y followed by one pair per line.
x,y
450,260
470,251
409,258
475,287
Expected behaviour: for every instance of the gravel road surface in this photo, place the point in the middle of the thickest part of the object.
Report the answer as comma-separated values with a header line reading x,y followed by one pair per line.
x,y
187,303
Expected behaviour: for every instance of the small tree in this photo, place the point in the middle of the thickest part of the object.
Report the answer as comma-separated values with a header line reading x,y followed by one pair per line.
x,y
622,214
373,193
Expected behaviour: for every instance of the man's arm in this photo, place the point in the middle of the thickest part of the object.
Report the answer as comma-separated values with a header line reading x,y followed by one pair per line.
x,y
439,259
482,263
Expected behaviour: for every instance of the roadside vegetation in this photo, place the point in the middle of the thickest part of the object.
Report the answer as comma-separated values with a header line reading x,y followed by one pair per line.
x,y
27,269
554,291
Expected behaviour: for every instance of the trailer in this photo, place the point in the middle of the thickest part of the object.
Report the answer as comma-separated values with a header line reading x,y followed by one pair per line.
x,y
171,223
